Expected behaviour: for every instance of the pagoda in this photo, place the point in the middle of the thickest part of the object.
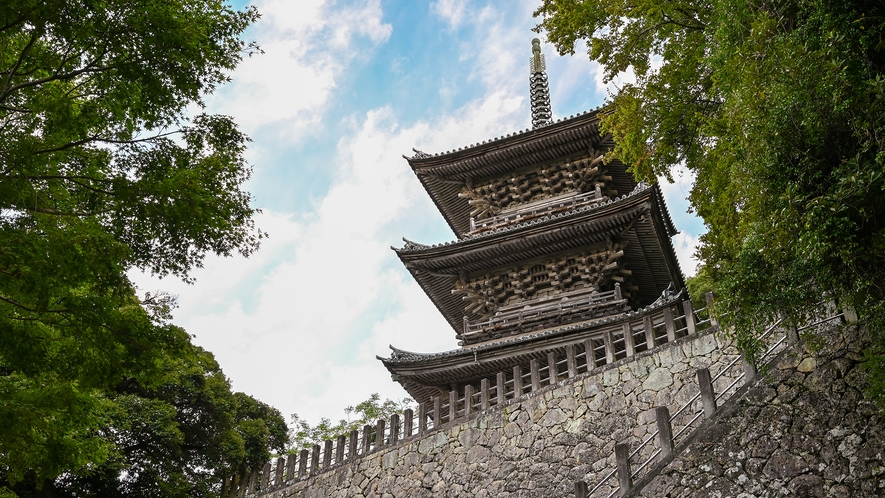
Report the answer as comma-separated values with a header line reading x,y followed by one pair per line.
x,y
555,248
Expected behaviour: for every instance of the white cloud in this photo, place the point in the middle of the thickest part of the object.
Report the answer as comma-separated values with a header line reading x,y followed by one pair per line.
x,y
452,11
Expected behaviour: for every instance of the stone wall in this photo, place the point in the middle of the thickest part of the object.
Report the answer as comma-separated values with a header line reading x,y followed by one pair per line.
x,y
536,445
804,429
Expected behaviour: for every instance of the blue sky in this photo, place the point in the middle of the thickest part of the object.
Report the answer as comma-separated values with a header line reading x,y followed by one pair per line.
x,y
343,90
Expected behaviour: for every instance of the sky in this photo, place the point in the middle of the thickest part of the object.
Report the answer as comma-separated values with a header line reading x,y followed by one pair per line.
x,y
342,91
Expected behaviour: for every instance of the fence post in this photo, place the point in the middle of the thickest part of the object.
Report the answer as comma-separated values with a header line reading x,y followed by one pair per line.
x,y
625,477
314,459
367,439
627,331
710,298
570,360
407,424
650,341
290,466
668,323
253,482
708,398
665,431
265,476
581,490
437,407
327,453
353,442
339,449
278,476
536,381
453,405
609,346
849,314
302,463
749,369
589,354
468,400
552,369
484,394
238,489
394,428
501,393
422,418
792,331
517,381
379,433
690,326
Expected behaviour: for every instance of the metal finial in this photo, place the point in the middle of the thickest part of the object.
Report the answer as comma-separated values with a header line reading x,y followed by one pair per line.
x,y
540,94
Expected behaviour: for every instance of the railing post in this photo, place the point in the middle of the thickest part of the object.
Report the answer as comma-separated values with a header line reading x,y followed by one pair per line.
x,y
379,433
570,360
265,476
849,314
708,398
278,476
668,323
650,341
314,459
422,418
437,407
552,369
688,309
394,428
484,394
517,381
749,369
665,431
353,443
501,393
367,439
290,466
536,381
327,453
339,449
407,423
792,331
589,354
253,482
468,399
625,477
239,489
302,463
627,331
710,298
581,490
618,291
609,346
453,405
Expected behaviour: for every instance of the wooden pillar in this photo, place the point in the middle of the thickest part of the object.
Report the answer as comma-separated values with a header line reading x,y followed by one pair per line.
x,y
589,354
407,423
484,394
290,466
552,369
609,346
265,476
437,408
517,381
422,418
669,324
650,341
536,381
278,476
710,298
665,431
625,476
468,399
690,326
570,360
394,428
238,486
314,459
708,397
327,453
581,490
302,463
353,443
627,331
367,439
453,405
253,482
339,449
379,433
501,394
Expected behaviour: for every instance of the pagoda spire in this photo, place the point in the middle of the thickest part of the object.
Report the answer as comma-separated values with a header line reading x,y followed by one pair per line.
x,y
540,94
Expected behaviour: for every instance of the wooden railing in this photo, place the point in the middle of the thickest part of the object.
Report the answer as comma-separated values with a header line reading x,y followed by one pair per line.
x,y
536,210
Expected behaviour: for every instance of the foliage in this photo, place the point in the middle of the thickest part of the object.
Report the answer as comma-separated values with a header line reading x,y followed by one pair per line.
x,y
102,170
778,107
304,436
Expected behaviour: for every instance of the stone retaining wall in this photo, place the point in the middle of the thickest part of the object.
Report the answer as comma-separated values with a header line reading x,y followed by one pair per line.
x,y
536,445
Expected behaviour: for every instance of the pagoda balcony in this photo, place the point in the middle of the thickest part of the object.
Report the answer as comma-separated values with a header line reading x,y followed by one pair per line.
x,y
575,307
551,205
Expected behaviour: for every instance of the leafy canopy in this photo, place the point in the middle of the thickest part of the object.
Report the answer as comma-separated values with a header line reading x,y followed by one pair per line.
x,y
778,107
304,436
106,164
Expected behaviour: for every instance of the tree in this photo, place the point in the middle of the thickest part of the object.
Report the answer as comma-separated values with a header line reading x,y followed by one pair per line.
x,y
304,436
778,107
105,167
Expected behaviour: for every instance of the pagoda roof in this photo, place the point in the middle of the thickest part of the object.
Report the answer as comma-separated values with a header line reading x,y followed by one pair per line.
x,y
418,372
444,174
436,268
